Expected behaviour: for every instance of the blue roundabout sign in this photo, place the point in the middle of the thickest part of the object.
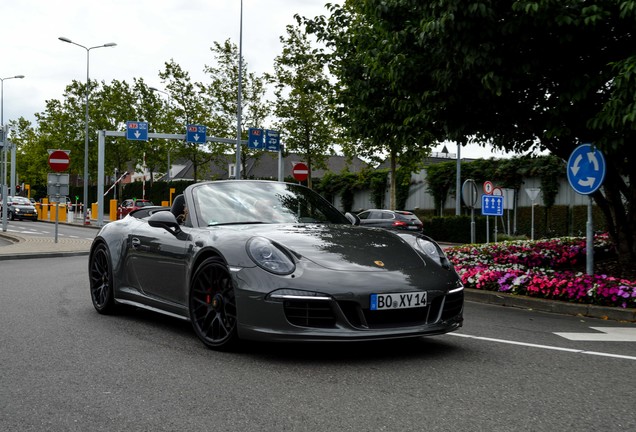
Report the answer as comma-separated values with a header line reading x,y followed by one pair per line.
x,y
586,169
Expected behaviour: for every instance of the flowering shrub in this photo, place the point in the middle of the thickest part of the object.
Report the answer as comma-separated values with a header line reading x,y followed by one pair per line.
x,y
542,269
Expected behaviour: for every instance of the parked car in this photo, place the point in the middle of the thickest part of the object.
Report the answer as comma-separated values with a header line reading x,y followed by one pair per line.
x,y
300,271
392,219
130,205
20,208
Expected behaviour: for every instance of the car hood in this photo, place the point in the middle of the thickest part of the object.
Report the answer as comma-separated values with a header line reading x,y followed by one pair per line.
x,y
343,247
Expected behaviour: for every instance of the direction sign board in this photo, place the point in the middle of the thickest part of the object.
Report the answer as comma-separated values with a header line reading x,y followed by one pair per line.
x,y
196,134
492,205
256,139
300,171
137,131
59,160
272,142
586,169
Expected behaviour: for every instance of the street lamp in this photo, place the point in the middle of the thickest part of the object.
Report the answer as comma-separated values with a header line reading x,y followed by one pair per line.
x,y
3,171
110,44
155,89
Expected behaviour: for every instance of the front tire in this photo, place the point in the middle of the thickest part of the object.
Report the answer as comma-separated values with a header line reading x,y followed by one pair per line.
x,y
101,280
212,305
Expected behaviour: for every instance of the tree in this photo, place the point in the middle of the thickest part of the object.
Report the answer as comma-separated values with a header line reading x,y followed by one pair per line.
x,y
221,96
522,75
302,90
367,105
189,108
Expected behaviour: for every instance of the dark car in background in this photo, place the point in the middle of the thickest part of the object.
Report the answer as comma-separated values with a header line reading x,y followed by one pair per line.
x,y
392,219
130,205
20,208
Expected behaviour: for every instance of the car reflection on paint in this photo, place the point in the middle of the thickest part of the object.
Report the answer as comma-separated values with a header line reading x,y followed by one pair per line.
x,y
391,219
272,261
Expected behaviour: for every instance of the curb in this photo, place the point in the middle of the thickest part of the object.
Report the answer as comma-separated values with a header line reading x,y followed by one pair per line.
x,y
553,306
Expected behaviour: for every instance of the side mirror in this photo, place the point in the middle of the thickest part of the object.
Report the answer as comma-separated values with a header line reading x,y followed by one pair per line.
x,y
354,219
165,220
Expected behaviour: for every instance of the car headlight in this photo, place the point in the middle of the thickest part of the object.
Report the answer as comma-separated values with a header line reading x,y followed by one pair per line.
x,y
17,210
270,256
433,251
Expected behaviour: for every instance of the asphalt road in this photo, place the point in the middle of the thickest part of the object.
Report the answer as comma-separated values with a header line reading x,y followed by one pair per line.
x,y
37,228
66,368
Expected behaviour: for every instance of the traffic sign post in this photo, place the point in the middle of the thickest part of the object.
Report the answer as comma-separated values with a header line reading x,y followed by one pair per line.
x,y
272,140
586,173
136,131
256,139
59,160
196,134
300,171
469,195
586,169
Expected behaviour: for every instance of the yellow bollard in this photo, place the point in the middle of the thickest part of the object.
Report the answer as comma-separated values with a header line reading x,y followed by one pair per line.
x,y
113,209
165,203
93,210
62,213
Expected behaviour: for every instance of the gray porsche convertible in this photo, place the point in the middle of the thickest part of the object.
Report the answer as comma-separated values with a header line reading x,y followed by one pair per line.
x,y
273,261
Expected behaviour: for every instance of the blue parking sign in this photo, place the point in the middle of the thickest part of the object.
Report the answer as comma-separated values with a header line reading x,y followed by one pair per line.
x,y
137,131
196,134
492,205
256,139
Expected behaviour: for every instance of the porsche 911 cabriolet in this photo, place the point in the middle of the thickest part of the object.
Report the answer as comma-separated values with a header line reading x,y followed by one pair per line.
x,y
272,261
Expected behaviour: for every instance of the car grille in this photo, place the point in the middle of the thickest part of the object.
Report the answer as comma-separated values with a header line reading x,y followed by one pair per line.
x,y
314,313
321,314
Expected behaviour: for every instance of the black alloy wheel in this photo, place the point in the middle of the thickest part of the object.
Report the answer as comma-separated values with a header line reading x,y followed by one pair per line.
x,y
101,280
213,305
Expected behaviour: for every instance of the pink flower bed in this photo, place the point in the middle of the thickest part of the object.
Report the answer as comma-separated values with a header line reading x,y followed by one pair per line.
x,y
542,269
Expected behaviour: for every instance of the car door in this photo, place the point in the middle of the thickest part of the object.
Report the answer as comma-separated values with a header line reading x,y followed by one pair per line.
x,y
157,259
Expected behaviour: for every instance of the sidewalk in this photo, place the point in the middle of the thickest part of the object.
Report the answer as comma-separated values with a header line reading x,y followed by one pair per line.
x,y
25,247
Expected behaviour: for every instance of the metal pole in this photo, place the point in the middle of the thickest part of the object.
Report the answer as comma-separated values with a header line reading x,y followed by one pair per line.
x,y
532,222
85,198
110,44
3,171
458,181
589,261
237,169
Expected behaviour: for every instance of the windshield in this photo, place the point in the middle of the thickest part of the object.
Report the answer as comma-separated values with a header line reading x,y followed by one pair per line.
x,y
19,200
246,201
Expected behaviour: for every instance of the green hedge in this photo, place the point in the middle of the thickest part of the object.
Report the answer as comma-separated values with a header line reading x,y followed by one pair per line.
x,y
557,221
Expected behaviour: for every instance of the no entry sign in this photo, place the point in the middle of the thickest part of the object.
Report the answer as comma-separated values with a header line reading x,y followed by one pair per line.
x,y
59,160
300,171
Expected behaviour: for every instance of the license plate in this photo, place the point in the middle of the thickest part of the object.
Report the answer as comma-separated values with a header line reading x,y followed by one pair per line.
x,y
398,300
413,227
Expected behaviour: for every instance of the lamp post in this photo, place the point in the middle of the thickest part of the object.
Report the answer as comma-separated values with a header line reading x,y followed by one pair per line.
x,y
239,110
88,49
155,89
3,171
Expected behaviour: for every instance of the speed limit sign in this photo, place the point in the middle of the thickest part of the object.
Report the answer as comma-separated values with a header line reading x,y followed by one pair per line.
x,y
488,187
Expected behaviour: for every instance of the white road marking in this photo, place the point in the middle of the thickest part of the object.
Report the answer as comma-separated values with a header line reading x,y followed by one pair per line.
x,y
548,347
608,334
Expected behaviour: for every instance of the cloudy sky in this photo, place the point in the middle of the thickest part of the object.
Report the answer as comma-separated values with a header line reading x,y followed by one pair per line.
x,y
148,33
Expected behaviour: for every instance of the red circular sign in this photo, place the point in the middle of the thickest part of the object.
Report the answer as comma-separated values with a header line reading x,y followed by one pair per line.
x,y
59,161
300,171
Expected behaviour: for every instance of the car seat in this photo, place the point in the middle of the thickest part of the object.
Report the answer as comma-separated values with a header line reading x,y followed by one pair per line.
x,y
178,208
